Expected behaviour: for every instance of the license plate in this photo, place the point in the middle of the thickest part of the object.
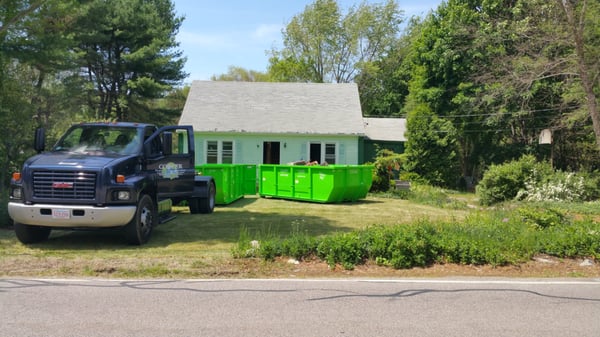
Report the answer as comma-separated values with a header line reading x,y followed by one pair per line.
x,y
61,214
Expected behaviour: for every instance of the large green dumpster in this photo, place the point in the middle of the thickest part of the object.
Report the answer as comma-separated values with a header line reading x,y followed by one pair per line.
x,y
233,181
326,184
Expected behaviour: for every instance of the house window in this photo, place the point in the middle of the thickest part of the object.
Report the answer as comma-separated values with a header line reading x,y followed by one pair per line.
x,y
212,152
323,152
330,153
219,152
227,152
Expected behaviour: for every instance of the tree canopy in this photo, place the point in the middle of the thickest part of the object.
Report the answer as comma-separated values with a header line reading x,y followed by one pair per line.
x,y
67,60
323,45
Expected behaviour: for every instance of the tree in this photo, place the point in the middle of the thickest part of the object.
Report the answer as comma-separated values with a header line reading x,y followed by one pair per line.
x,y
322,45
432,149
34,48
533,79
129,53
581,17
242,75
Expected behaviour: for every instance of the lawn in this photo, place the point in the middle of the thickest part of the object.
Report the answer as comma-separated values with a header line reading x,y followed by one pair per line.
x,y
200,245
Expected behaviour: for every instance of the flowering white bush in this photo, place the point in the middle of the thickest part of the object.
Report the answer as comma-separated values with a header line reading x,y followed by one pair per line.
x,y
559,187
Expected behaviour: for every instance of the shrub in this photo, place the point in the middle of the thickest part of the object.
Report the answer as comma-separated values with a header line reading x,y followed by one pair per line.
x,y
412,246
299,246
559,186
542,218
579,239
343,248
387,168
503,182
495,238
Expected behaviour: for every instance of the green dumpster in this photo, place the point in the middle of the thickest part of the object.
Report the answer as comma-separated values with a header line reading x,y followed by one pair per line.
x,y
249,179
326,184
232,181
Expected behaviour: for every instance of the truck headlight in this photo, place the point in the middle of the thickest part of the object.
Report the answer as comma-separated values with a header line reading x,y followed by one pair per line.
x,y
123,195
16,193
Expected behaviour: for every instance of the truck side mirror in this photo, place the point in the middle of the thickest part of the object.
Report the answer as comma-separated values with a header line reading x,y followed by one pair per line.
x,y
39,142
167,143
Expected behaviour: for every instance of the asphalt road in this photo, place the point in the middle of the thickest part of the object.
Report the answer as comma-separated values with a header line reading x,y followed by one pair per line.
x,y
423,307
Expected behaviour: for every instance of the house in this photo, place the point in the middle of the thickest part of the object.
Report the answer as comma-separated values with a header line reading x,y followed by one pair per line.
x,y
383,133
278,123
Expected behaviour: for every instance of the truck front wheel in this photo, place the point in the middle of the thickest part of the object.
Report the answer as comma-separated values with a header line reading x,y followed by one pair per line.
x,y
138,230
31,234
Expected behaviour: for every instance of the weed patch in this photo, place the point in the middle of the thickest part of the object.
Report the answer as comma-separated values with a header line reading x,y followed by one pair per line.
x,y
482,239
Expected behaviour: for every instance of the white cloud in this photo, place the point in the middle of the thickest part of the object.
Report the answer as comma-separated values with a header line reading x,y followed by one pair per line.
x,y
202,40
267,31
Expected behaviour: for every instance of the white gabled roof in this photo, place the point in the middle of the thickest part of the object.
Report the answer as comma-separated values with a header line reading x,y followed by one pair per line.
x,y
274,108
385,129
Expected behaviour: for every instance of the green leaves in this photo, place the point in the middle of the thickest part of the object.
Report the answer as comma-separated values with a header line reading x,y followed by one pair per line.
x,y
323,45
130,52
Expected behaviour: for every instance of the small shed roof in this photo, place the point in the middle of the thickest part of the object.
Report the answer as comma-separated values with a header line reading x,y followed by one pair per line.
x,y
385,129
264,107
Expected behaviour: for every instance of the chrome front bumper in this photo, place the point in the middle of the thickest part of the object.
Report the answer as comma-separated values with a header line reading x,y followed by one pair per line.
x,y
70,216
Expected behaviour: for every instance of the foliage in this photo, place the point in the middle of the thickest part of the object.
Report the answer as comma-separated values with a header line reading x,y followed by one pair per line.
x,y
557,186
387,168
581,238
542,218
322,45
503,182
129,53
431,147
484,238
242,75
533,181
344,248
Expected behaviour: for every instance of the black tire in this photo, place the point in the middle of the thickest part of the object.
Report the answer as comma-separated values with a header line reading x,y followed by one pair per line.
x,y
194,205
31,234
139,229
207,205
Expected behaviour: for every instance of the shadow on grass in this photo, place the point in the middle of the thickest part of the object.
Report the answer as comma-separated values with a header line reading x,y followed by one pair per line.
x,y
221,227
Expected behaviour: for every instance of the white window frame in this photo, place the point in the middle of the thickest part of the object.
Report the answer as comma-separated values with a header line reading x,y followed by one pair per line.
x,y
323,149
220,150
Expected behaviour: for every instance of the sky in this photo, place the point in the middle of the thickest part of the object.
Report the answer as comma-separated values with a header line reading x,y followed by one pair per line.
x,y
218,34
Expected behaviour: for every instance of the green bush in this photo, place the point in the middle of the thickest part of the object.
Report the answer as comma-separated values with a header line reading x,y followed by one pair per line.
x,y
503,182
344,248
542,218
387,168
582,238
490,238
299,246
412,246
559,186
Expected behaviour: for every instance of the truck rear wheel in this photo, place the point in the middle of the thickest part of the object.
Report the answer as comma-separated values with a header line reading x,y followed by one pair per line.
x,y
31,234
204,205
139,229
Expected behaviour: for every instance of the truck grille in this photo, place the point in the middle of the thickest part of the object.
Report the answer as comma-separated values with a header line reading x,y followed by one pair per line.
x,y
64,185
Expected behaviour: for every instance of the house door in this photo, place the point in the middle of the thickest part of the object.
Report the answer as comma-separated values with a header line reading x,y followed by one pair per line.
x,y
271,152
315,152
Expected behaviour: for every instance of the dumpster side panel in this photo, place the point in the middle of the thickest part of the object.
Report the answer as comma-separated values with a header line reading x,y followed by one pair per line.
x,y
302,183
268,181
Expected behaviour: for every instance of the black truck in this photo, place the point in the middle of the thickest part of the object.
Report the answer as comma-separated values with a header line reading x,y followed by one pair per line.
x,y
124,176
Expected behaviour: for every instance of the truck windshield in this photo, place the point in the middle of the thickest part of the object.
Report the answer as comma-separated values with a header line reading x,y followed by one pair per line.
x,y
100,138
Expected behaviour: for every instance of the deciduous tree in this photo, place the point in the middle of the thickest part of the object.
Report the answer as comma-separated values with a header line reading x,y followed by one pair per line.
x,y
323,45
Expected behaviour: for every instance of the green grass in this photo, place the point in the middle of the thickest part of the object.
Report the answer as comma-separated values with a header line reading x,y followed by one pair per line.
x,y
202,245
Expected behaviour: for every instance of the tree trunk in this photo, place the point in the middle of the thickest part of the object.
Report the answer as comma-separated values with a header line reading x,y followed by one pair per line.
x,y
578,30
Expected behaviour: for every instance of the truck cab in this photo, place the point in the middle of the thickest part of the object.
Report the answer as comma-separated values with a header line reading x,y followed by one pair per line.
x,y
108,175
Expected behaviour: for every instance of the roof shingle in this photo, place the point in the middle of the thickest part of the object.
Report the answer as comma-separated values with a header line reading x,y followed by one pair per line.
x,y
274,108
